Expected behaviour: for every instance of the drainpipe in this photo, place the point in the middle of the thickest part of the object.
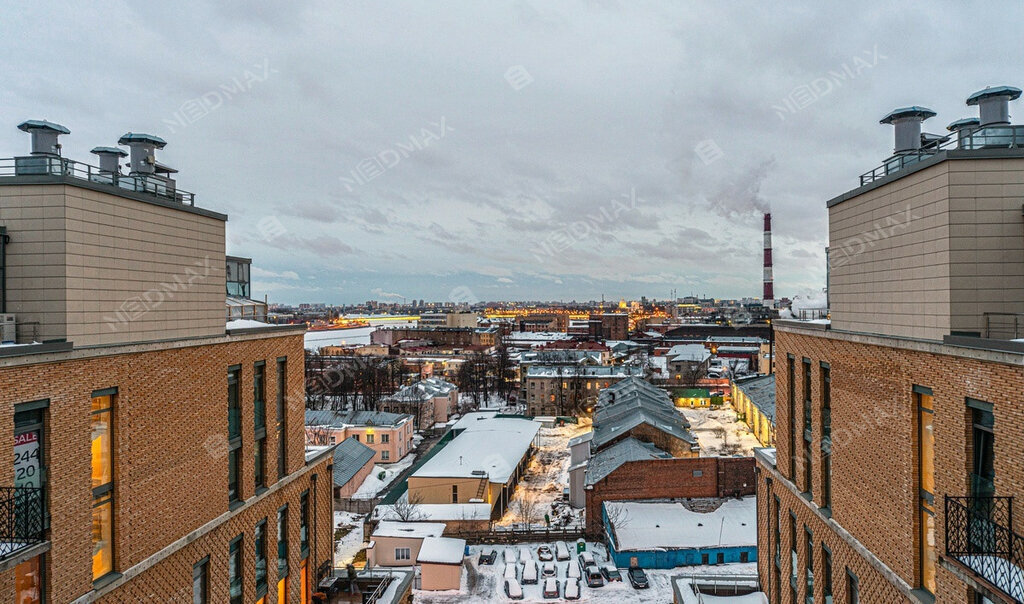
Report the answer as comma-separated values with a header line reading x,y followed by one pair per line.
x,y
315,571
4,238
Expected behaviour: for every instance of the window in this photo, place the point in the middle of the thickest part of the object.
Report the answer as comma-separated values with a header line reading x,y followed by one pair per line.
x,y
809,566
259,388
826,572
304,582
403,553
28,581
852,588
260,540
698,473
704,559
334,440
826,401
455,493
235,570
282,440
983,472
201,582
102,434
385,455
304,523
356,436
719,558
369,439
792,550
234,435
282,590
282,541
385,438
791,366
808,431
778,530
926,485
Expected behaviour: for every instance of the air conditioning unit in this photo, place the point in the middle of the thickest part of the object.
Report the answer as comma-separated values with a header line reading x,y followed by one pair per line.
x,y
8,332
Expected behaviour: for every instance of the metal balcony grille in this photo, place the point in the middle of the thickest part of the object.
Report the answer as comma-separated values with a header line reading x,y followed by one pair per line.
x,y
22,518
979,535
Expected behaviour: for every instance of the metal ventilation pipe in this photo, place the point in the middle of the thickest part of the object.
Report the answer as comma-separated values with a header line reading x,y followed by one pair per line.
x,y
44,136
110,159
994,104
143,151
907,122
964,127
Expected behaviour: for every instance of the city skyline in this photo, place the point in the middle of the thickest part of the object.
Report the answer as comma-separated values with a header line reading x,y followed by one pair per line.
x,y
517,151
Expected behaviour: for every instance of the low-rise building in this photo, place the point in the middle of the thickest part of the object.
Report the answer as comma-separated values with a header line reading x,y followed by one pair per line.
x,y
687,363
440,561
754,402
570,389
399,543
353,462
692,397
388,434
429,401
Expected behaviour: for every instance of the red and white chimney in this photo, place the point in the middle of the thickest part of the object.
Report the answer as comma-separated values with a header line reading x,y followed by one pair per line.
x,y
769,293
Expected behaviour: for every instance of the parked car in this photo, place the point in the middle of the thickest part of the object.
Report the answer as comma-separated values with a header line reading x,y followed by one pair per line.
x,y
550,589
513,590
544,554
638,578
509,555
487,558
549,570
530,573
572,589
511,570
586,559
611,574
524,555
594,578
573,571
561,551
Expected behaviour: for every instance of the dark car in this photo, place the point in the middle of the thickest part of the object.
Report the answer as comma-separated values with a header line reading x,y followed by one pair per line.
x,y
487,557
594,578
638,578
544,554
611,574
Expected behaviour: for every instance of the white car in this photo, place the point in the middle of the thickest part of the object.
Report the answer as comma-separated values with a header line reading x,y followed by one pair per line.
x,y
572,571
511,570
530,573
561,551
549,569
524,555
513,590
550,589
572,590
509,555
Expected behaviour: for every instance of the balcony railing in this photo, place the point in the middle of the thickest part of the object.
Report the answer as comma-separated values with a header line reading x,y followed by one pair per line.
x,y
991,137
979,535
22,518
46,165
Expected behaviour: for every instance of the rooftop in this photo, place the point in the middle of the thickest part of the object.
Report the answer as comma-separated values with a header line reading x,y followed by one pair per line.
x,y
339,419
490,447
761,392
350,456
421,530
608,460
647,526
442,550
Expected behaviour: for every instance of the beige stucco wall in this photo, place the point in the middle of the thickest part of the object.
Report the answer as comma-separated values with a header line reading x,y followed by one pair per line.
x,y
439,490
930,252
440,577
96,268
383,552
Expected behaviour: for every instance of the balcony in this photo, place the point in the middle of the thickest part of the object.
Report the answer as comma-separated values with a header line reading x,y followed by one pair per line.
x,y
980,537
22,519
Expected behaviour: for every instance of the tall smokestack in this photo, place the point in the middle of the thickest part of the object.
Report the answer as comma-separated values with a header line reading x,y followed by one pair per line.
x,y
769,292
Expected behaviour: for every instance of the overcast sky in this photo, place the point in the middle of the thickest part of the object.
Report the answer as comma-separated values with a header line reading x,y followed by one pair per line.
x,y
507,150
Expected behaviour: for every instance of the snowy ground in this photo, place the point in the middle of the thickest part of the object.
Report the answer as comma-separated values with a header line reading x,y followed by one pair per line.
x,y
374,485
349,545
546,477
482,584
719,432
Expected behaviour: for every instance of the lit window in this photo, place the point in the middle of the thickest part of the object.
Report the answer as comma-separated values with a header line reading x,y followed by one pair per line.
x,y
101,423
926,486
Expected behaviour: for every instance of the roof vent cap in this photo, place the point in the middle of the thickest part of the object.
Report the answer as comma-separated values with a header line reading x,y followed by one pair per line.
x,y
907,122
44,136
143,151
110,158
994,104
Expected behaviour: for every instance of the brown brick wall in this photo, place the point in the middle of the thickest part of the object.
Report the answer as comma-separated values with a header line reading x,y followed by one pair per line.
x,y
875,476
669,478
170,451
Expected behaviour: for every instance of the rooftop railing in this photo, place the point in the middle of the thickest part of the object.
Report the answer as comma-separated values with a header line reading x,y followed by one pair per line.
x,y
22,519
1002,325
990,137
979,535
47,165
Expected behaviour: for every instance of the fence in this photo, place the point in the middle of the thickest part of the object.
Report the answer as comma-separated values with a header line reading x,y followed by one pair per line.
x,y
512,535
356,506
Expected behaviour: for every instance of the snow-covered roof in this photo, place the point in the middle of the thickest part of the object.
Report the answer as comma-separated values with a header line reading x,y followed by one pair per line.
x,y
420,530
493,446
582,438
608,460
440,511
586,371
424,390
472,418
338,419
647,526
248,324
442,550
690,353
761,392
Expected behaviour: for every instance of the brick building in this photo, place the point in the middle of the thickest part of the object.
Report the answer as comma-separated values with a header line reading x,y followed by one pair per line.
x,y
158,450
897,445
609,326
569,388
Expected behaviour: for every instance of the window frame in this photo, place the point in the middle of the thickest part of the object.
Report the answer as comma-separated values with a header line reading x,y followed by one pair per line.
x,y
236,556
282,417
304,524
260,546
103,495
201,571
282,541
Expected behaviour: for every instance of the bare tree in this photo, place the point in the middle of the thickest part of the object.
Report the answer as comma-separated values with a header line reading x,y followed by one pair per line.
x,y
318,435
407,508
617,514
526,507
